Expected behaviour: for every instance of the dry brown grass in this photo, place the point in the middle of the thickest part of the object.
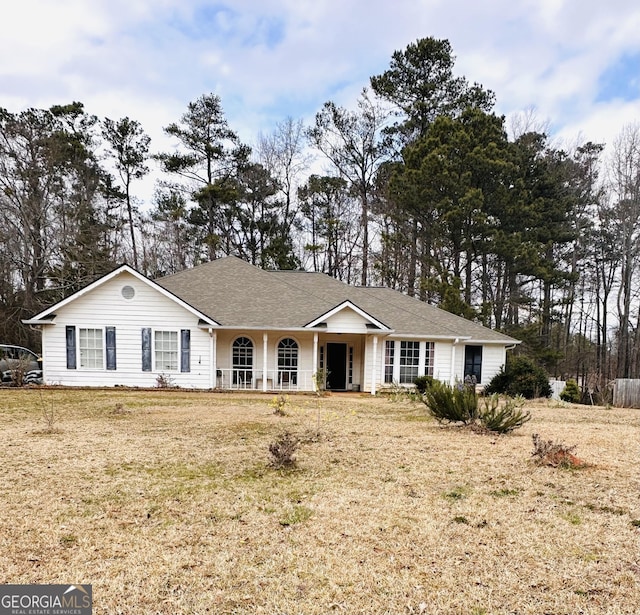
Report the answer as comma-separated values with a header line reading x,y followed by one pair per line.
x,y
166,503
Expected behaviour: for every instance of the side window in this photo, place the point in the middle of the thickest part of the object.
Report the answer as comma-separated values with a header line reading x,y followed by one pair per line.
x,y
166,350
91,348
429,358
389,352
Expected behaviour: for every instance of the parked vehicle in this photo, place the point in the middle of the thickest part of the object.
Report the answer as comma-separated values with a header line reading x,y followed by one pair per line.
x,y
19,365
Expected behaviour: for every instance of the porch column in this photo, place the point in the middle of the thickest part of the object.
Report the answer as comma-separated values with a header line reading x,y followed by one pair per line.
x,y
452,377
314,363
264,362
374,365
213,363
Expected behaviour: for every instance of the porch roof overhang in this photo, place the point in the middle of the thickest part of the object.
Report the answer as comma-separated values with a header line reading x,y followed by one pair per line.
x,y
306,329
373,324
37,322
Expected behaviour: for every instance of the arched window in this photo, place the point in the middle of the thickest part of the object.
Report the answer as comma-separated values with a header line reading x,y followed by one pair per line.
x,y
242,362
288,363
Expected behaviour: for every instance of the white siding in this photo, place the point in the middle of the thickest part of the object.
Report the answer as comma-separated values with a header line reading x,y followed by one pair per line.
x,y
105,306
442,367
346,321
493,358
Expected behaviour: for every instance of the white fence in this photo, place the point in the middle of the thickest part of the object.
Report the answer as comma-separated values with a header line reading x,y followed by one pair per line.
x,y
557,386
626,393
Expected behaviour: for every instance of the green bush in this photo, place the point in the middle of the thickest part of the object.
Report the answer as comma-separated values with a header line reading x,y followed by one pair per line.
x,y
505,418
423,383
571,392
457,404
520,376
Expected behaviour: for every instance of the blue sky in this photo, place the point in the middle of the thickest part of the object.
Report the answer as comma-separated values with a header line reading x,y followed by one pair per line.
x,y
575,62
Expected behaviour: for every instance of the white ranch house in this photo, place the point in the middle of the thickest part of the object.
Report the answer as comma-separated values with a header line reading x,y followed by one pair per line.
x,y
229,325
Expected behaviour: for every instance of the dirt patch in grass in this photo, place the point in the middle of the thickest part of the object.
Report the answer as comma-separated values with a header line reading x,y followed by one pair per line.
x,y
166,502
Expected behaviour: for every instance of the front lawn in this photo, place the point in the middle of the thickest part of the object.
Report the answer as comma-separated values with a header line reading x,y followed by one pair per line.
x,y
165,501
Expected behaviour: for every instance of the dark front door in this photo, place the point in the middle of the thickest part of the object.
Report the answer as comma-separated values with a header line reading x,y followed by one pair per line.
x,y
473,362
337,367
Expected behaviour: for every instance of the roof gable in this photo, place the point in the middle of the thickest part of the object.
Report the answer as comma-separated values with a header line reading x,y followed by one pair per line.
x,y
47,316
347,310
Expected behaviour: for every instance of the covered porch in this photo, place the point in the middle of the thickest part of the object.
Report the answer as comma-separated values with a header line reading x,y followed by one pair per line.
x,y
299,360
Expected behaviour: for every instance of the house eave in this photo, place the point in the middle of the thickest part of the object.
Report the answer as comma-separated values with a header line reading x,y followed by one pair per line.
x,y
304,329
349,304
45,316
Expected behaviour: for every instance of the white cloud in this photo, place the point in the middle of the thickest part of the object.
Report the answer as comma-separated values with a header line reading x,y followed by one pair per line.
x,y
277,58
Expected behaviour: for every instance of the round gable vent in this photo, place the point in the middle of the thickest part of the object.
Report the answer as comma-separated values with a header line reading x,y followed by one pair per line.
x,y
128,292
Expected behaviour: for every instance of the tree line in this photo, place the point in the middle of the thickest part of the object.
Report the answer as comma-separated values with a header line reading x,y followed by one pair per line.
x,y
426,191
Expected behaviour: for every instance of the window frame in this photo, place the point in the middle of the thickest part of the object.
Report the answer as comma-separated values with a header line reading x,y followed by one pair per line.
x,y
389,361
409,361
174,333
83,359
149,357
240,371
288,373
395,365
429,362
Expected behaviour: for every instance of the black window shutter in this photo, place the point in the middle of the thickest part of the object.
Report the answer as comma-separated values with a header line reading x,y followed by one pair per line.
x,y
185,350
146,349
71,347
110,342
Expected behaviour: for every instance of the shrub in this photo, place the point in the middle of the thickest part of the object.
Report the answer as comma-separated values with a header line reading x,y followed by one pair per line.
x,y
505,418
520,376
280,404
457,404
423,383
571,392
164,381
555,454
283,451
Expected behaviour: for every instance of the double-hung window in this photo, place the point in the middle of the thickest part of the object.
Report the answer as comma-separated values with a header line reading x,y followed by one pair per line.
x,y
166,350
91,347
389,352
409,361
428,358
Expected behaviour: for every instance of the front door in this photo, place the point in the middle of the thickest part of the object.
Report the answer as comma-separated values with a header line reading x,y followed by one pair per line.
x,y
337,367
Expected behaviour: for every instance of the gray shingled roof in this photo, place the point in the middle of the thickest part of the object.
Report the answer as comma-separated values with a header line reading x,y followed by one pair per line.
x,y
237,294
